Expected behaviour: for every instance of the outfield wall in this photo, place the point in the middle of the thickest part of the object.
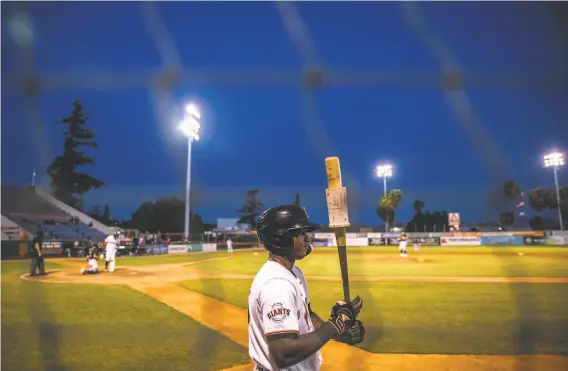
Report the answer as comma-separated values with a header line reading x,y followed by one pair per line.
x,y
516,238
23,249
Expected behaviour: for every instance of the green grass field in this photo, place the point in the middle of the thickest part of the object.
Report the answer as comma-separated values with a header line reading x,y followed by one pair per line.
x,y
112,327
429,317
56,327
438,262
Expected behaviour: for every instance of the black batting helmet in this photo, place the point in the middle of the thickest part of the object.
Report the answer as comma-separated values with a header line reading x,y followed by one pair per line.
x,y
278,225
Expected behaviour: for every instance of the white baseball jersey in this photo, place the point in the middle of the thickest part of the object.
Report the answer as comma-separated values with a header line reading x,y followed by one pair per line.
x,y
278,303
111,243
402,244
93,264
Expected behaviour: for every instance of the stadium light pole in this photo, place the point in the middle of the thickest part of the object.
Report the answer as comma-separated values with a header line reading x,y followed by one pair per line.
x,y
384,171
555,160
189,126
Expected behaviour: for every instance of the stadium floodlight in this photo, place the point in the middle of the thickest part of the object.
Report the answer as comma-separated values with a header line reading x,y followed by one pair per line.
x,y
384,171
189,126
555,160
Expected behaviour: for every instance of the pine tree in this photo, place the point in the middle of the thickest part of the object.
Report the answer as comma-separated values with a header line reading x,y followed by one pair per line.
x,y
67,183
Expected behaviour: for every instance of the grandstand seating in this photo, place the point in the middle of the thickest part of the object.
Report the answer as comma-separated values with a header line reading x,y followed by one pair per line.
x,y
24,207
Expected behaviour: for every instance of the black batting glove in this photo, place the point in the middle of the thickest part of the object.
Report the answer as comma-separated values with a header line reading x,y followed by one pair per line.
x,y
353,335
342,316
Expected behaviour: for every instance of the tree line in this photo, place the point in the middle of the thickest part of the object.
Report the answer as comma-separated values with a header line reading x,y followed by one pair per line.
x,y
69,183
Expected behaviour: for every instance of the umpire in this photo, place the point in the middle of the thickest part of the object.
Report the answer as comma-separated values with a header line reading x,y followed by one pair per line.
x,y
37,255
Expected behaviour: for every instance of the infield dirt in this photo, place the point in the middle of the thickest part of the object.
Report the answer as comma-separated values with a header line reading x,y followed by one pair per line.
x,y
160,283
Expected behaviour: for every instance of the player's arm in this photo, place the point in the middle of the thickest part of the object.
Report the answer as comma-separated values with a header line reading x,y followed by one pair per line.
x,y
36,246
316,320
281,326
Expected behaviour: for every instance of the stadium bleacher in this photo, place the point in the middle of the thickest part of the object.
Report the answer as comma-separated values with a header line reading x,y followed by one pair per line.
x,y
25,208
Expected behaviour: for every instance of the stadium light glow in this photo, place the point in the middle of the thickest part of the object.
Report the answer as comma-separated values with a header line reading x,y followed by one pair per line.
x,y
189,126
555,160
384,171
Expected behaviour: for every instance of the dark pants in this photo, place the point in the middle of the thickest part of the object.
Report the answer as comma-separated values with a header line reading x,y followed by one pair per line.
x,y
37,264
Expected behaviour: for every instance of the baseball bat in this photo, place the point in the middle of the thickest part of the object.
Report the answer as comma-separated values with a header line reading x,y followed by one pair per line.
x,y
336,196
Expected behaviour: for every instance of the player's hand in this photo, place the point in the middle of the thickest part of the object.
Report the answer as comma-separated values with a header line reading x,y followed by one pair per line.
x,y
353,335
342,316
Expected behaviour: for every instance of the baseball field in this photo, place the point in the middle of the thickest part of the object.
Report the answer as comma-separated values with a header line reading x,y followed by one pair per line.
x,y
466,309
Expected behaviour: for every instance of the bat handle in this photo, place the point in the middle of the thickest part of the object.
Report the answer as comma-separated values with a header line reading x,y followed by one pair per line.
x,y
340,236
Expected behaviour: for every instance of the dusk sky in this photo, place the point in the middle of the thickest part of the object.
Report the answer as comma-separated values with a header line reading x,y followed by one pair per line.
x,y
256,136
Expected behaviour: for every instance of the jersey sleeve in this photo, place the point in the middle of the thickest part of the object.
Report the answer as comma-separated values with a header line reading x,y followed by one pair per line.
x,y
278,307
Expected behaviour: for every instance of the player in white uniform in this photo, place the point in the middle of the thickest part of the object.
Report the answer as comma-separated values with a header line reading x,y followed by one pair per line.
x,y
416,244
284,333
93,265
229,245
111,243
403,241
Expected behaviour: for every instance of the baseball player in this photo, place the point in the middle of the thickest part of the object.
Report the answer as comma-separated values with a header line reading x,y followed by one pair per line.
x,y
284,332
229,245
111,243
416,244
93,265
403,241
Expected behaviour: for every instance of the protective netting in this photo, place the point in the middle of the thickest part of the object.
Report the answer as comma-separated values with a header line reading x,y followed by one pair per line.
x,y
160,82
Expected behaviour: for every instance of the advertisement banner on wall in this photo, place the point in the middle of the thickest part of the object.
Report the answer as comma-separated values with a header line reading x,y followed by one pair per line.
x,y
536,240
420,234
320,243
557,241
195,247
391,235
502,240
158,249
429,241
460,241
324,236
208,247
52,248
357,241
376,241
177,249
374,235
528,233
391,241
496,234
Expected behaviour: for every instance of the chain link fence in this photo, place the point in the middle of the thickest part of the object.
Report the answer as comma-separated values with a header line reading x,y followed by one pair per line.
x,y
312,78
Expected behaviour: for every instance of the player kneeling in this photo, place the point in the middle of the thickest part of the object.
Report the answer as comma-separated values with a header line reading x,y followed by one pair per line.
x,y
93,265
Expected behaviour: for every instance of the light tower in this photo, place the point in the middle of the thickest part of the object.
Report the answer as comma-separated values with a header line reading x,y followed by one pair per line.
x,y
555,160
384,171
189,126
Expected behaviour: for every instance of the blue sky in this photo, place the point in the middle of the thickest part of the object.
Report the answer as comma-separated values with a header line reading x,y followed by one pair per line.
x,y
254,136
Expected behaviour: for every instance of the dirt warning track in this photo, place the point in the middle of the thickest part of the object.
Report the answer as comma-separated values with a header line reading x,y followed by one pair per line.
x,y
161,283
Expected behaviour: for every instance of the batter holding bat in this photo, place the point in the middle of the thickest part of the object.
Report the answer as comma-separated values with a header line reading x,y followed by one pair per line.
x,y
284,332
